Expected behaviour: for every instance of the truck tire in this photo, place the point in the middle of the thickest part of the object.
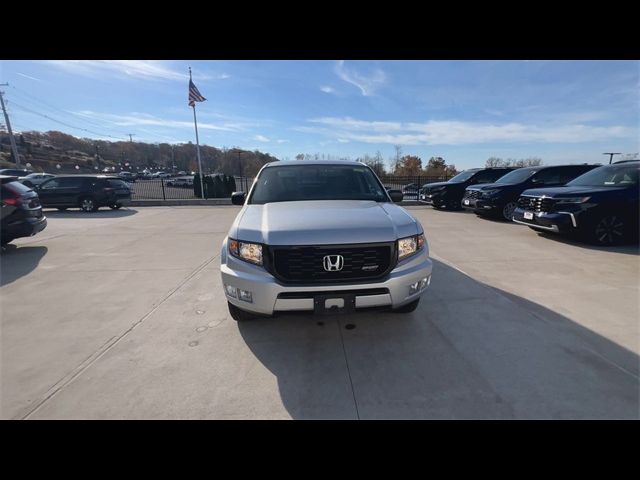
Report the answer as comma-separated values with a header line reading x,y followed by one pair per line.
x,y
238,314
409,307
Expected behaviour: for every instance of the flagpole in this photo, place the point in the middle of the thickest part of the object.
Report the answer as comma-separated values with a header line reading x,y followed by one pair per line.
x,y
195,123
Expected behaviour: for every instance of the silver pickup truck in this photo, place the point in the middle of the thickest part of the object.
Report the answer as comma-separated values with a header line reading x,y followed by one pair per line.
x,y
323,237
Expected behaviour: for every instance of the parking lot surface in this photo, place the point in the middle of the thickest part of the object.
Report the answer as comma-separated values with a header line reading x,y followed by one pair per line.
x,y
121,314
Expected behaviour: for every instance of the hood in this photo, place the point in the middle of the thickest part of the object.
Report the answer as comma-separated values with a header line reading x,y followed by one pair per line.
x,y
322,222
438,184
570,191
488,186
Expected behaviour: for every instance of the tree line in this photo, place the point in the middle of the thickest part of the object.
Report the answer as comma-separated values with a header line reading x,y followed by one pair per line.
x,y
90,153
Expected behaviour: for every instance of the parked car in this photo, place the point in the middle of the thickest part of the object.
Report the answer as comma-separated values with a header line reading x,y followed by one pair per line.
x,y
499,199
600,206
128,176
411,190
87,192
34,179
323,237
15,172
185,182
21,210
449,194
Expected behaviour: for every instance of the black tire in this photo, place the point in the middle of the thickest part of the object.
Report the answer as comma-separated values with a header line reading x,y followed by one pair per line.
x,y
115,207
507,211
238,314
62,209
608,230
409,307
88,204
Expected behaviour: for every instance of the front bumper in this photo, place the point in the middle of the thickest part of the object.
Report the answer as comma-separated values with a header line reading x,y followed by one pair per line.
x,y
269,296
479,205
557,222
432,199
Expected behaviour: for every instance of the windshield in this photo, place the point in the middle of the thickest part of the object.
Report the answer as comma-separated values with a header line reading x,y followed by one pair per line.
x,y
317,182
463,176
608,176
516,176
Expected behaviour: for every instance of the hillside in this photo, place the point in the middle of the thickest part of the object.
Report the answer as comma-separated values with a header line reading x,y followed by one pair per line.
x,y
45,150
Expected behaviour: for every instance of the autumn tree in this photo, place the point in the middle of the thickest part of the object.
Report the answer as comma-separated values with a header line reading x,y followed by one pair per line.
x,y
409,165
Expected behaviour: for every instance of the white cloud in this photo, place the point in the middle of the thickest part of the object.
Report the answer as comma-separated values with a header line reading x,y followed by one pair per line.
x,y
29,77
142,119
282,141
438,132
261,138
327,89
366,83
140,69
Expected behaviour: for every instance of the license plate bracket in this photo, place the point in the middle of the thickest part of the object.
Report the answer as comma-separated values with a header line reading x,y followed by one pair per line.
x,y
334,304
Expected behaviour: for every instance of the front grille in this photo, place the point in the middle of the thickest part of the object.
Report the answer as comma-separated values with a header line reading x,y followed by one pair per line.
x,y
536,204
359,293
472,194
304,264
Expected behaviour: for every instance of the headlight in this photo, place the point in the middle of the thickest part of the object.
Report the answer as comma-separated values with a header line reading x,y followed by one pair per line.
x,y
249,252
573,199
409,245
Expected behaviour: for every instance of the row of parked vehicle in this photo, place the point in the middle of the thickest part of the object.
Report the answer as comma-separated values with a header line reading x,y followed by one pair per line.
x,y
595,203
24,197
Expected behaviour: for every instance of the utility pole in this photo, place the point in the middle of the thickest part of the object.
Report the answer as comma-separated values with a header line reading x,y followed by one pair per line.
x,y
611,154
14,148
131,135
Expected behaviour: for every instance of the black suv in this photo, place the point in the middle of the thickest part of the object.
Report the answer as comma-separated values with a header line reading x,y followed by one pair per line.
x,y
600,206
88,192
21,211
499,199
448,194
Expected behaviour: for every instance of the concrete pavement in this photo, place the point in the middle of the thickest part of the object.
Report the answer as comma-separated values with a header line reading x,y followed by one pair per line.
x,y
122,315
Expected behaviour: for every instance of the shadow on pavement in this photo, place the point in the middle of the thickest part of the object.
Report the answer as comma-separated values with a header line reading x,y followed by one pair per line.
x,y
100,214
16,262
628,249
469,351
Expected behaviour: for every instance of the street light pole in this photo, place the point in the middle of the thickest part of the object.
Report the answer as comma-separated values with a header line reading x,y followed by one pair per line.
x,y
611,154
12,140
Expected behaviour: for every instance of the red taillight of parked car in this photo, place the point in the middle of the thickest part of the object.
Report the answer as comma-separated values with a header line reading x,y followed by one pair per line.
x,y
12,201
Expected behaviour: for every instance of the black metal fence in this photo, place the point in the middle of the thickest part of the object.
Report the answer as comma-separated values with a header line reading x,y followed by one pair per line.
x,y
410,184
175,188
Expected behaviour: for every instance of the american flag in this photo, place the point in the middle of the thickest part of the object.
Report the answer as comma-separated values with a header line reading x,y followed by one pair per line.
x,y
194,94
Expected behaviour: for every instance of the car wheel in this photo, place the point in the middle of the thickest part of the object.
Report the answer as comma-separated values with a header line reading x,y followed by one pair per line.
x,y
507,211
238,314
115,207
88,204
609,230
62,209
409,307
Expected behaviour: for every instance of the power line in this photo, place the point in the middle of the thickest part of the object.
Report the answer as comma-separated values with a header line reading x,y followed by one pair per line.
x,y
62,123
67,112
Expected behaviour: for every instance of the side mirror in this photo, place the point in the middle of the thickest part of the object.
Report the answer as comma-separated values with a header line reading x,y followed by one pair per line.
x,y
238,198
396,195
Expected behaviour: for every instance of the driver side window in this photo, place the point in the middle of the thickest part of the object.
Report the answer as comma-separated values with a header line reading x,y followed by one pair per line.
x,y
50,184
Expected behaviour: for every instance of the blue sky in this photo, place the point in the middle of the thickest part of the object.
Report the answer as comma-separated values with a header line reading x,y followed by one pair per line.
x,y
464,111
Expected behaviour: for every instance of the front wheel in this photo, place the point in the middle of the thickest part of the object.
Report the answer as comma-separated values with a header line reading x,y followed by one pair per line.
x,y
88,204
608,230
238,314
507,211
409,307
